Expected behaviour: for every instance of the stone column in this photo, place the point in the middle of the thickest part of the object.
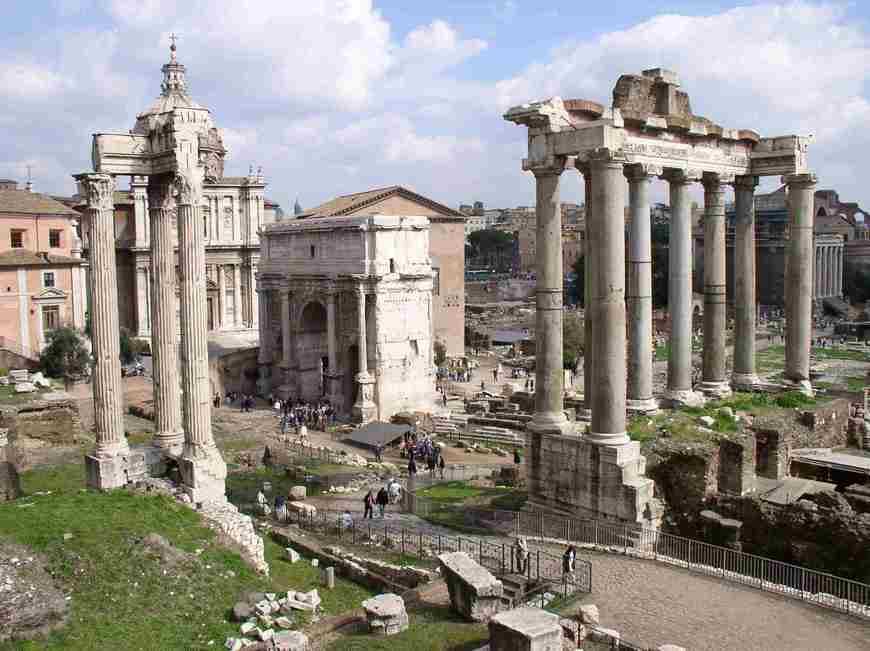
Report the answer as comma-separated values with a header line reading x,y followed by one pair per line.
x,y
222,296
816,272
202,468
255,298
238,314
839,286
167,401
332,371
679,389
588,315
286,336
549,414
106,467
801,188
714,380
364,407
264,354
608,408
639,300
744,374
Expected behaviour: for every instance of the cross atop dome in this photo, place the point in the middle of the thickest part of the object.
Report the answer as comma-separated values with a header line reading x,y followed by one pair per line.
x,y
172,37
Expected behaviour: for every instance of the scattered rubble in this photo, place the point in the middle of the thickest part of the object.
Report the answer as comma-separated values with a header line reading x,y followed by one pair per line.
x,y
386,614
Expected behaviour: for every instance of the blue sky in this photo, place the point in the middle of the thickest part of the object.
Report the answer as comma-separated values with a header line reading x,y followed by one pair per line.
x,y
338,96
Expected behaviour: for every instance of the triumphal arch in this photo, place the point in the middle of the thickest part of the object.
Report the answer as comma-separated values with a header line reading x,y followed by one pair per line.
x,y
346,313
173,145
648,132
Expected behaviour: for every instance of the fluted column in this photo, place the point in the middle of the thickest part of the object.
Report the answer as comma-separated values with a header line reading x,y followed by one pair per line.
x,y
364,407
801,189
608,408
744,374
331,345
202,468
714,380
549,414
839,286
105,467
679,390
167,401
816,272
639,299
286,337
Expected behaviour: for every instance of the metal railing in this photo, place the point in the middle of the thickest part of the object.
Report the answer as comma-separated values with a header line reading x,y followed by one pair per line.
x,y
541,568
811,586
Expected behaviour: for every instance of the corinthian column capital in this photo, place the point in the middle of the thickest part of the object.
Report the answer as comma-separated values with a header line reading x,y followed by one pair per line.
x,y
160,193
747,182
675,176
186,189
98,189
553,166
642,171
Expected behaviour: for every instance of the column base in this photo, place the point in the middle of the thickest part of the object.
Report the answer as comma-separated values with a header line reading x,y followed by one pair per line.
x,y
677,398
364,409
642,405
106,470
745,381
545,422
715,390
169,443
203,473
804,386
609,438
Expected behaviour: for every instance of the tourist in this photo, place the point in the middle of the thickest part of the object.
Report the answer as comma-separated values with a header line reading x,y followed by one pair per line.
x,y
441,465
521,552
262,502
216,401
382,500
517,458
395,490
281,508
347,520
444,398
412,467
568,559
378,450
369,503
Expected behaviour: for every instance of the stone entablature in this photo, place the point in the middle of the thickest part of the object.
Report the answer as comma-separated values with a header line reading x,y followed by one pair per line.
x,y
346,313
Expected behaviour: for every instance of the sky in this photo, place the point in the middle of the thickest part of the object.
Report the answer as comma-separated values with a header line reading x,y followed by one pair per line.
x,y
332,97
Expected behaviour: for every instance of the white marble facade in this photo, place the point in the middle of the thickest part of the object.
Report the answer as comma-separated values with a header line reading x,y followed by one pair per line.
x,y
346,313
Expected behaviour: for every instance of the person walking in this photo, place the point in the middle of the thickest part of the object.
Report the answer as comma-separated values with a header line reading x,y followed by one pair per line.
x,y
441,465
412,467
382,499
369,504
521,551
568,560
517,458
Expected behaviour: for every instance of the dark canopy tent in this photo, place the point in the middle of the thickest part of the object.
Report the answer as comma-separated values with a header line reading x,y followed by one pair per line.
x,y
377,434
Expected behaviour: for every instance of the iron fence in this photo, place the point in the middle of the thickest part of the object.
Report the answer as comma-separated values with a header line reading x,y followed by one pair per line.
x,y
812,586
542,569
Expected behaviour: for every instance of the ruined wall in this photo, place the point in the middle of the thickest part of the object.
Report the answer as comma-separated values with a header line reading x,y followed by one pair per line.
x,y
54,422
236,371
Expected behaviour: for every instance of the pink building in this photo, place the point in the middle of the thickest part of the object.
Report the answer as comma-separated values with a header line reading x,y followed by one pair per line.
x,y
42,274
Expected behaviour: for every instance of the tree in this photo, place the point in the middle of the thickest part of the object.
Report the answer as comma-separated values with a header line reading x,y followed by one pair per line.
x,y
126,346
440,353
572,341
65,355
491,248
660,239
579,269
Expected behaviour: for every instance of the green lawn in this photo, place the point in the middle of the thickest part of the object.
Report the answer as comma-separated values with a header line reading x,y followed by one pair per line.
x,y
123,598
434,628
457,492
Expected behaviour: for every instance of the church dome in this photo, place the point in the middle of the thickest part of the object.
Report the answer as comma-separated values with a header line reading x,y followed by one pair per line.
x,y
173,93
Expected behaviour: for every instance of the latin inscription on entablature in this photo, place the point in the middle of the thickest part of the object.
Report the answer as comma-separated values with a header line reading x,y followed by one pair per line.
x,y
711,159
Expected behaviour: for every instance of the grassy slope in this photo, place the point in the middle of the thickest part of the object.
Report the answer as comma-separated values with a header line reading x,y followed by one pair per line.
x,y
122,598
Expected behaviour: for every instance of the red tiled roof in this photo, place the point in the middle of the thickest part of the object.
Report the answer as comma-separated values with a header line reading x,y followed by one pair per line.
x,y
351,203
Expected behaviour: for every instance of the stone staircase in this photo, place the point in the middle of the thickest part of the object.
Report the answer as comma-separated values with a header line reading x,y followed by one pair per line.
x,y
515,586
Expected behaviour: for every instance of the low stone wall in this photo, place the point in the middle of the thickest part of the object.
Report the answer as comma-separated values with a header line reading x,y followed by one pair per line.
x,y
55,422
404,575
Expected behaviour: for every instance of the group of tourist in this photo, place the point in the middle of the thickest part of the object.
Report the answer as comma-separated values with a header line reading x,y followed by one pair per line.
x,y
295,415
522,554
245,401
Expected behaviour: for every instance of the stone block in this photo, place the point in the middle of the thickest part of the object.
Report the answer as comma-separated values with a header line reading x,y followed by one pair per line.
x,y
306,510
106,472
298,493
329,577
386,614
589,615
474,592
292,555
525,629
290,641
571,631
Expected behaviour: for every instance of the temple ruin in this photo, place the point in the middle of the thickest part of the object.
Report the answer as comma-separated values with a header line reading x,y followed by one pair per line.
x,y
172,144
648,132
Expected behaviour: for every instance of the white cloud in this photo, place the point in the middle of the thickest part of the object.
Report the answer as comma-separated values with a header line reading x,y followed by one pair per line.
x,y
777,68
439,45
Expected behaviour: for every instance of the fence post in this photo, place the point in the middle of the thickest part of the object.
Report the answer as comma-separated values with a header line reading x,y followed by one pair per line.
x,y
517,524
539,564
595,532
480,551
439,544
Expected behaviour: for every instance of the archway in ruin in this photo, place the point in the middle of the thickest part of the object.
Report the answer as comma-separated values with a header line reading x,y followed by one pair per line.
x,y
311,349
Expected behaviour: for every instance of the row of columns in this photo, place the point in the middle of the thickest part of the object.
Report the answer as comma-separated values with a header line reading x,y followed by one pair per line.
x,y
182,419
608,391
828,275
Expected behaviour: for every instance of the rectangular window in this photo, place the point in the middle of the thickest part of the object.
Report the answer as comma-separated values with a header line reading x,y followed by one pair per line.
x,y
436,281
54,239
48,279
50,318
17,239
